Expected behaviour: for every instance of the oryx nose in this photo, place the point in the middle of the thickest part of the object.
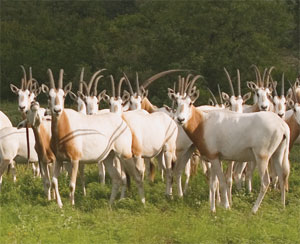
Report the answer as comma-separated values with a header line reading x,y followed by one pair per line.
x,y
21,107
264,107
280,115
180,120
57,110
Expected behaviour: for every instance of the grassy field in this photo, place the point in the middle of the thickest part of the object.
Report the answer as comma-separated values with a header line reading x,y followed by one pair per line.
x,y
27,217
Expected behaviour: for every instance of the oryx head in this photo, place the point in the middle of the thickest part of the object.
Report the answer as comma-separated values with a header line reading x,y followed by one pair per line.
x,y
116,102
279,101
235,102
28,91
295,105
184,100
56,96
262,89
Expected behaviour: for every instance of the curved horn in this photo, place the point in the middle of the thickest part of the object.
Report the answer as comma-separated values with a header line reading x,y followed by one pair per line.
x,y
239,82
137,84
192,84
264,75
182,90
220,95
268,76
30,73
120,85
129,84
187,81
282,85
215,100
96,84
93,78
24,77
52,83
158,75
29,85
230,81
179,83
257,74
81,80
113,90
60,81
86,87
294,92
274,88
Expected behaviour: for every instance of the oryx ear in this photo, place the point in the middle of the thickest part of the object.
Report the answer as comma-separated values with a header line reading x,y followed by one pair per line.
x,y
103,96
297,83
81,95
194,96
246,97
169,110
126,96
290,103
225,96
73,96
211,102
45,89
14,89
171,94
144,92
22,124
252,86
68,88
126,106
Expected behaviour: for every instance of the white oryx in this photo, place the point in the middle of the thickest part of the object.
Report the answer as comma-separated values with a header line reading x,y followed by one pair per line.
x,y
152,134
26,94
88,139
13,144
226,135
4,121
87,103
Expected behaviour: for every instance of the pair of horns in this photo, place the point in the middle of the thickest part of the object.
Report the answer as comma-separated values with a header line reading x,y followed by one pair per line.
x,y
266,75
213,96
230,82
28,84
186,87
282,85
119,86
294,92
93,81
60,80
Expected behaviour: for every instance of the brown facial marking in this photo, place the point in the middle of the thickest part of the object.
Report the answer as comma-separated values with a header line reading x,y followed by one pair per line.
x,y
195,130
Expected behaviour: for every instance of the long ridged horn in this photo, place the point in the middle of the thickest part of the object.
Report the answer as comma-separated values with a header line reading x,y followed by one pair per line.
x,y
179,83
80,88
257,74
220,95
239,82
282,85
192,84
129,84
294,92
29,85
60,81
120,86
87,92
187,81
30,73
24,77
230,82
137,84
213,96
182,90
268,76
158,75
113,90
264,75
273,85
96,84
52,83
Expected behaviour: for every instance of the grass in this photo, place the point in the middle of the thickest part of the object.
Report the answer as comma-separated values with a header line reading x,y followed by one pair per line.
x,y
27,217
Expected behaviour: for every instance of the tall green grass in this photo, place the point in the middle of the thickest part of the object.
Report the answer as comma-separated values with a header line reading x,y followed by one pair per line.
x,y
27,217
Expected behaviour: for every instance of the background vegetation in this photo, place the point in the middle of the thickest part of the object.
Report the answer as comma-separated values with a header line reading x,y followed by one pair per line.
x,y
148,37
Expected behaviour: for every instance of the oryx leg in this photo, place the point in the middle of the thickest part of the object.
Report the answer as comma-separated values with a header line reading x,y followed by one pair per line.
x,y
3,166
45,174
75,165
229,172
249,174
262,165
56,172
238,170
101,168
213,184
216,167
187,171
82,177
